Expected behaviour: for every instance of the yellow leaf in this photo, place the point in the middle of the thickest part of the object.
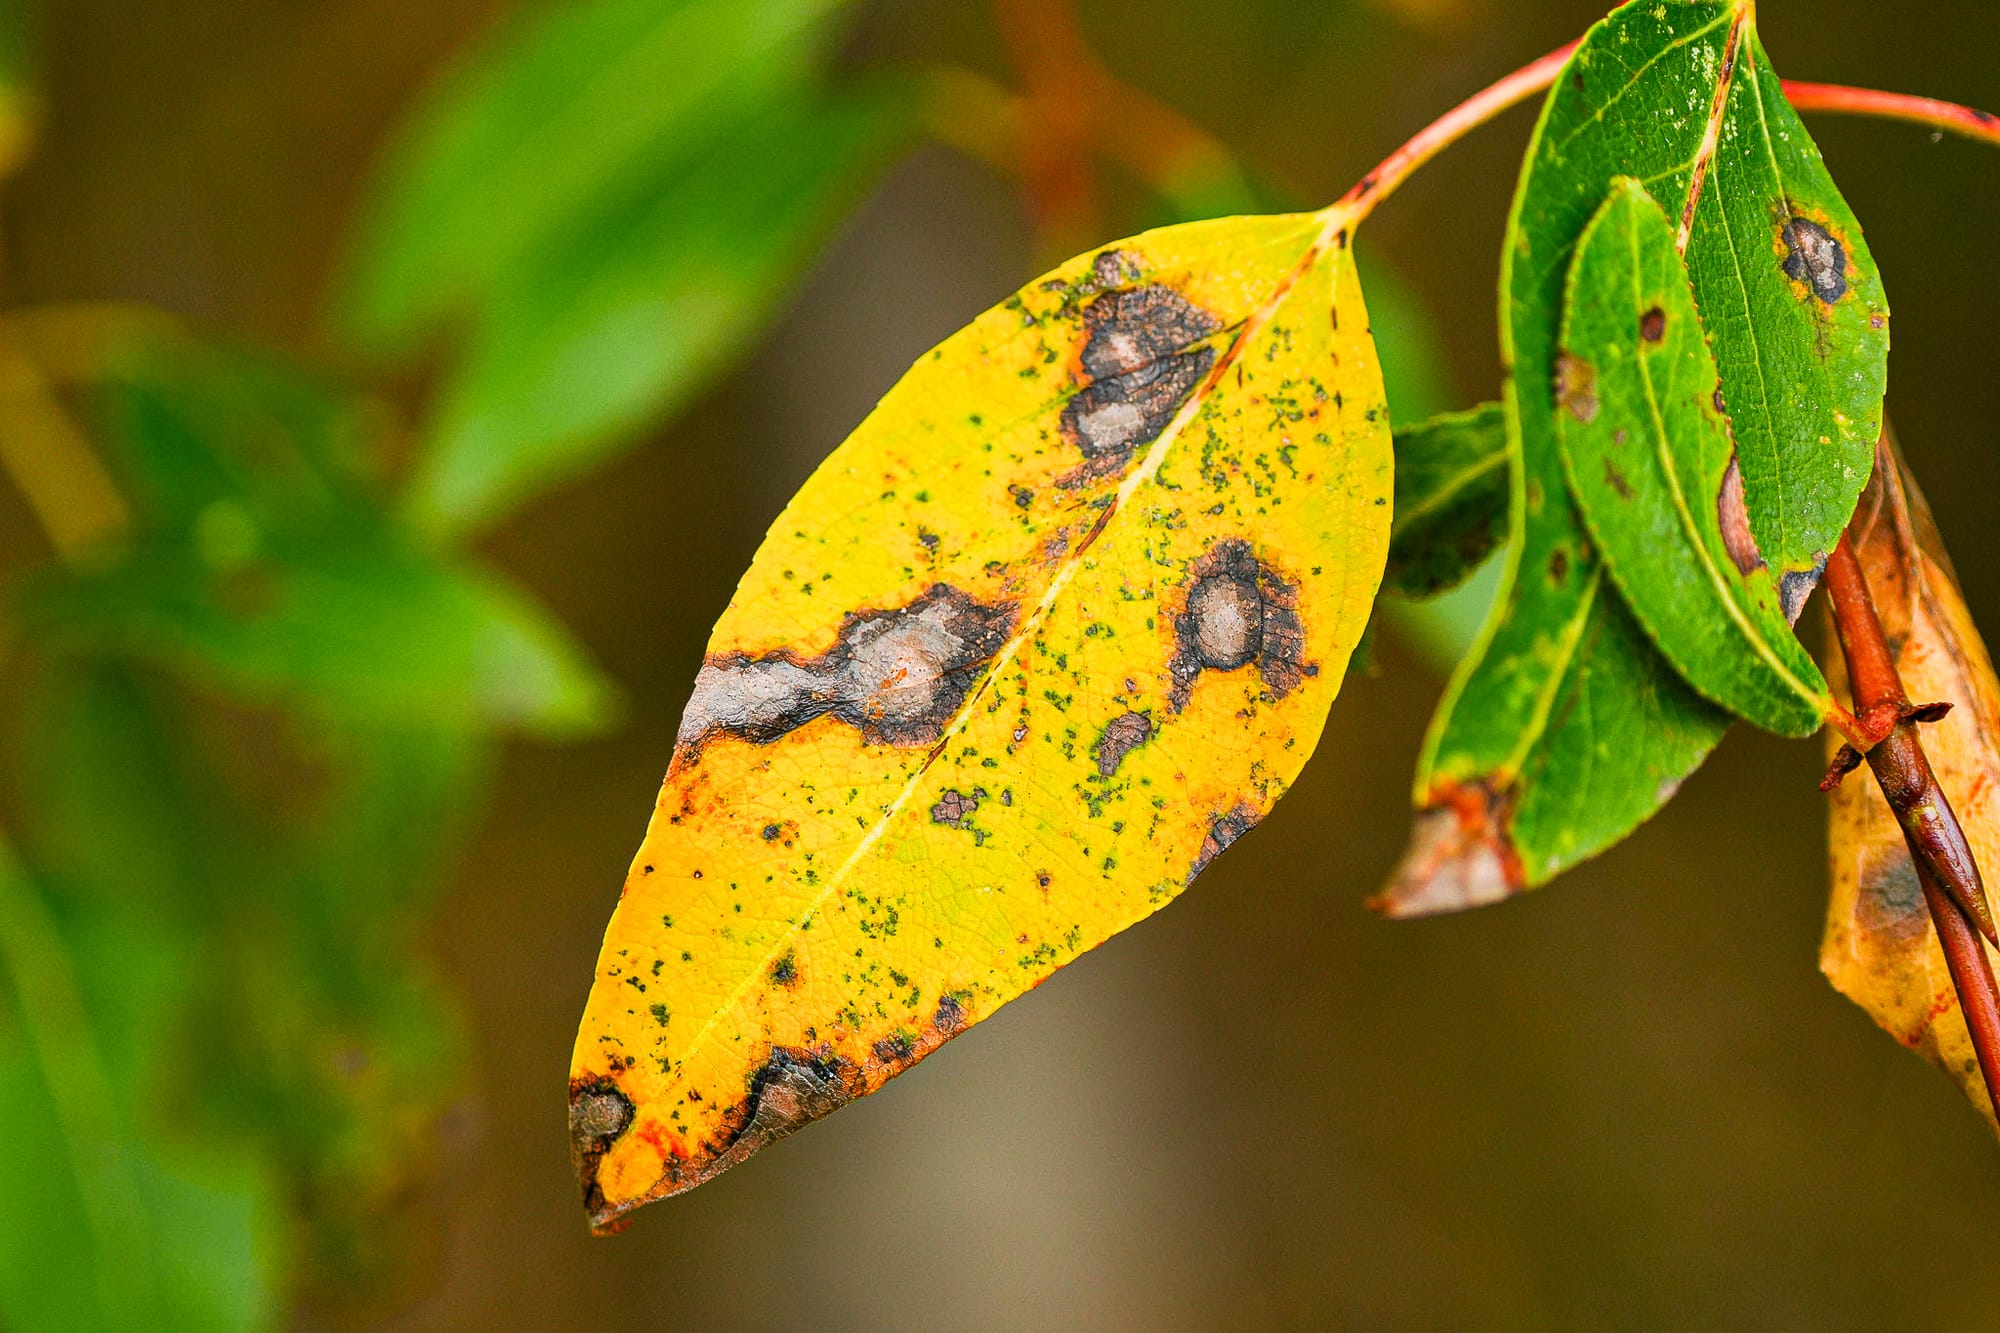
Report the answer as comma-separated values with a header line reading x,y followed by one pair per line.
x,y
1057,624
1880,948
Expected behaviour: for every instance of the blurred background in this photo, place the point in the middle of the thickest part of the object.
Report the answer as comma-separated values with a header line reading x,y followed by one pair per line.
x,y
390,394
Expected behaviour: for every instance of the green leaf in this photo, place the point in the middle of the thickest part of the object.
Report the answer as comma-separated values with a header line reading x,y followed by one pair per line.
x,y
530,129
1653,469
264,563
1531,764
106,1220
629,313
1795,312
213,442
274,875
1451,500
369,632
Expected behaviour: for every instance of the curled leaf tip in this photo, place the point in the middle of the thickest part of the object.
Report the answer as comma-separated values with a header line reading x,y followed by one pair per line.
x,y
1458,858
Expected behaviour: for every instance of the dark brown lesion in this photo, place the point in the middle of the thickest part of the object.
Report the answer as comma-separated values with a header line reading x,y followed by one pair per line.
x,y
1121,735
1816,258
954,807
791,1089
1142,356
599,1115
897,676
1223,830
1238,612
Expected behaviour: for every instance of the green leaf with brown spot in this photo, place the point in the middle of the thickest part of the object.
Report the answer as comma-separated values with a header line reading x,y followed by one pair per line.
x,y
1565,728
1653,471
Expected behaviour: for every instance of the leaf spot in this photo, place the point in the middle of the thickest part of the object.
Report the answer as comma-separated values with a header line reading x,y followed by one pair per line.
x,y
1815,258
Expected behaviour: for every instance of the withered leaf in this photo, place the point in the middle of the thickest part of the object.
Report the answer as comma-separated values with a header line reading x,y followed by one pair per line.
x,y
1880,948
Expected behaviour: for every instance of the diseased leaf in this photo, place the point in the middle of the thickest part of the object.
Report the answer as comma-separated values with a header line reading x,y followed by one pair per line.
x,y
631,311
562,106
1880,948
1798,320
1565,729
1049,632
1653,471
1451,500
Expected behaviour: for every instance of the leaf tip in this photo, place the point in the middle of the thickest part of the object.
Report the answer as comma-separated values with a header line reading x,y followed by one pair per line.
x,y
1458,858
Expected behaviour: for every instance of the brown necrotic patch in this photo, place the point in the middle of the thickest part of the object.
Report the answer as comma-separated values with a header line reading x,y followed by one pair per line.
x,y
895,1049
790,1090
1815,258
1223,830
1121,735
598,1115
1653,325
1732,516
954,807
1238,612
897,676
1140,361
1797,585
1576,388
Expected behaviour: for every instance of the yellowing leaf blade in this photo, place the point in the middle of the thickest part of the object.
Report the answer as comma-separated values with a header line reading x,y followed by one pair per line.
x,y
1055,626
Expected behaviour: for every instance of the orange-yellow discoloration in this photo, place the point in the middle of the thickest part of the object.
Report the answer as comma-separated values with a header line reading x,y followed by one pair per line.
x,y
957,680
1880,948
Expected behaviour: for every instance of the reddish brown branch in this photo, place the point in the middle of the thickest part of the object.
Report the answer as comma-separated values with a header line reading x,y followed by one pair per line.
x,y
1946,116
1452,126
1944,863
1058,75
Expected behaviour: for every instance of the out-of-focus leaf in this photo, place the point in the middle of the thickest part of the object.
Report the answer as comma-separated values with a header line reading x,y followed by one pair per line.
x,y
1440,628
263,563
304,1029
20,98
1565,728
107,1220
629,313
559,106
1653,470
214,443
1054,627
1451,500
372,632
1880,948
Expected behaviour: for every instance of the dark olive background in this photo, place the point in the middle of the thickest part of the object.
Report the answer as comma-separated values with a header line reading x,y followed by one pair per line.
x,y
1628,1100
